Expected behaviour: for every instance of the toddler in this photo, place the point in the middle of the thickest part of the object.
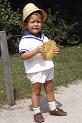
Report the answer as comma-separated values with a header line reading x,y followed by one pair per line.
x,y
38,70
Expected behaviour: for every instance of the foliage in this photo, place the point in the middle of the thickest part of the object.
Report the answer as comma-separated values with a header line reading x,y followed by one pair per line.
x,y
57,29
10,22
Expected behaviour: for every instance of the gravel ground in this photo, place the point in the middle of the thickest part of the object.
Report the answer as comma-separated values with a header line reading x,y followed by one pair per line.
x,y
71,100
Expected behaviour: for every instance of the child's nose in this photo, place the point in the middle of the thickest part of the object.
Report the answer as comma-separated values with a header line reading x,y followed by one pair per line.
x,y
35,23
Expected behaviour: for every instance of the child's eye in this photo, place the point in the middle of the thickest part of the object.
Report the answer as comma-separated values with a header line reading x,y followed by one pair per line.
x,y
32,21
39,21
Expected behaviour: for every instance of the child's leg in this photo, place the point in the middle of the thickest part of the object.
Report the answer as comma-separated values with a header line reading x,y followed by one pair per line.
x,y
49,90
50,94
36,88
51,100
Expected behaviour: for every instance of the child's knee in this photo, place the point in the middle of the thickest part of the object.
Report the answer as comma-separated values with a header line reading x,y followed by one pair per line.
x,y
49,91
36,88
36,92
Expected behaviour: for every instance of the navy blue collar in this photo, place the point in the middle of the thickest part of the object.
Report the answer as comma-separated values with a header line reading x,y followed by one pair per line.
x,y
26,33
39,35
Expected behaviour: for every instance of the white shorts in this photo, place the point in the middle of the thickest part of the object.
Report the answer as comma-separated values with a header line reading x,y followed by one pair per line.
x,y
41,76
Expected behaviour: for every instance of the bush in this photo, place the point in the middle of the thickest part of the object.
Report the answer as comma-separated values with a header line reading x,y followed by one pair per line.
x,y
10,22
57,29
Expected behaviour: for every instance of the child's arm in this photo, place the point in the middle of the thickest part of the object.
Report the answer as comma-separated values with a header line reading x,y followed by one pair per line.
x,y
30,54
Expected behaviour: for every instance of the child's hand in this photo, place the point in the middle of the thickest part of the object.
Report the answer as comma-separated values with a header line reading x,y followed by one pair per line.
x,y
56,50
40,49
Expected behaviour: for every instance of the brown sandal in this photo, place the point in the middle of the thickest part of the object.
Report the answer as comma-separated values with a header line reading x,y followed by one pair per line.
x,y
38,118
58,112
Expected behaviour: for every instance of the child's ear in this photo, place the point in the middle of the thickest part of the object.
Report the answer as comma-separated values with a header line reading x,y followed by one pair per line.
x,y
24,24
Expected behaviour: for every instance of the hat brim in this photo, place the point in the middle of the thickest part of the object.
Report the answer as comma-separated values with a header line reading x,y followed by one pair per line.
x,y
44,14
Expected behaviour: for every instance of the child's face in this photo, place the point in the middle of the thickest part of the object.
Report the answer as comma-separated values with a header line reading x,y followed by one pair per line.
x,y
34,23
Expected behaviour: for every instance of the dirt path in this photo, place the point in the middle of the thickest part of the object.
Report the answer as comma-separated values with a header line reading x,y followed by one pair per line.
x,y
71,98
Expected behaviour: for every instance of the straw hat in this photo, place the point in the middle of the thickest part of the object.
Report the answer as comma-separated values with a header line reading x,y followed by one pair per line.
x,y
30,8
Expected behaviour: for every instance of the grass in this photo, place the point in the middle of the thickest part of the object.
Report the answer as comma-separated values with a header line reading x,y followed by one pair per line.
x,y
68,68
68,65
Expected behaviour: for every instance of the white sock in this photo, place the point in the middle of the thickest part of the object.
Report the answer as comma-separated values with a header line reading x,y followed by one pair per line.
x,y
52,105
36,110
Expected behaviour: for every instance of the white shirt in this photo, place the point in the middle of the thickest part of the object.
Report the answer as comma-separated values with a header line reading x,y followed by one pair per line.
x,y
36,63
